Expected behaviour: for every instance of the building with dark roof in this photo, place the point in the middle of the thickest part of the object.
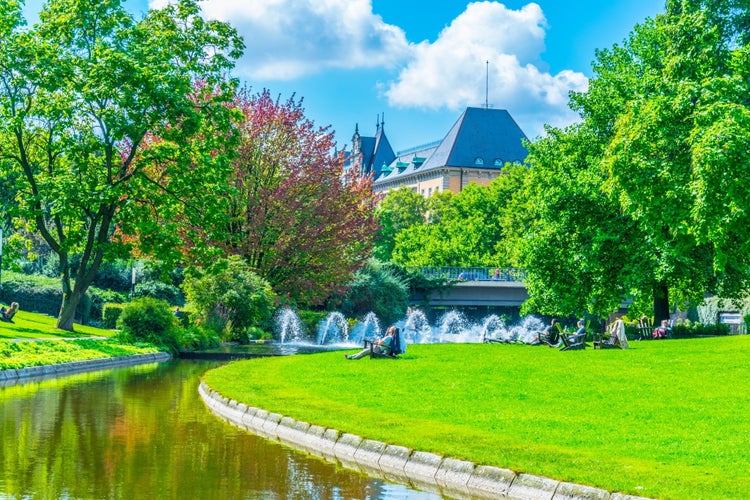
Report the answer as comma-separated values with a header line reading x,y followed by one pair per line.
x,y
475,150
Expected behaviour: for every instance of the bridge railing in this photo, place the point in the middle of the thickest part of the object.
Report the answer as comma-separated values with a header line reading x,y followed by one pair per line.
x,y
471,273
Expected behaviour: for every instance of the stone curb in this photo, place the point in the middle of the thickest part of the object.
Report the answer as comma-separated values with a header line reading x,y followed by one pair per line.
x,y
447,476
80,366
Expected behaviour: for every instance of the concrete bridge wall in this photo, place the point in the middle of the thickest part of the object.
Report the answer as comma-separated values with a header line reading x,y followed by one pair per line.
x,y
476,293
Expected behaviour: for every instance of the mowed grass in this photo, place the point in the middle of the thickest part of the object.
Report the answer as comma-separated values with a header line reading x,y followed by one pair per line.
x,y
37,342
666,419
29,325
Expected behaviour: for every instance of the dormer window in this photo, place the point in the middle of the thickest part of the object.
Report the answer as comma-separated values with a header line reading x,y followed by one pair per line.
x,y
498,162
479,161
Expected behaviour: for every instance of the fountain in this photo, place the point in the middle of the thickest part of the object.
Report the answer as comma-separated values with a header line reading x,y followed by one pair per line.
x,y
334,329
451,327
416,328
368,328
454,327
288,326
492,328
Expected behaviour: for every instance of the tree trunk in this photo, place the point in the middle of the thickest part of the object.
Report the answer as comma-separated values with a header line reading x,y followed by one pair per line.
x,y
661,303
70,299
68,310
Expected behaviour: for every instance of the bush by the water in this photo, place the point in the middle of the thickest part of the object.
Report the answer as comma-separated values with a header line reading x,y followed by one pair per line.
x,y
195,338
148,320
230,298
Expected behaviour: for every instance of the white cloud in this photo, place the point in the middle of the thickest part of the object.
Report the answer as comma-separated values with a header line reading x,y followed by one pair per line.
x,y
287,39
451,71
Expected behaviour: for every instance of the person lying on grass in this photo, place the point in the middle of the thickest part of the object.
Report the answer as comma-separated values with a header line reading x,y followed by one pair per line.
x,y
7,314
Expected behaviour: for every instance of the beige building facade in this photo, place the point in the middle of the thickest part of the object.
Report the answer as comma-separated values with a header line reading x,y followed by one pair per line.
x,y
475,150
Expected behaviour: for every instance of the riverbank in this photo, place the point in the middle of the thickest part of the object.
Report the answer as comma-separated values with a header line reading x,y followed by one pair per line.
x,y
10,376
422,470
31,346
657,420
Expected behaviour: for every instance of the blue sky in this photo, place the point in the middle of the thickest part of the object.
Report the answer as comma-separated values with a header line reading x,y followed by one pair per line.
x,y
421,62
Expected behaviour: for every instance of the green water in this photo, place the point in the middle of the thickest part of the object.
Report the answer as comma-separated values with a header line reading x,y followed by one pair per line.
x,y
144,432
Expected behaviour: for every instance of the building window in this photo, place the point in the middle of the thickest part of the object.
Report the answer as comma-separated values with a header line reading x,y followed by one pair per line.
x,y
498,162
429,192
478,160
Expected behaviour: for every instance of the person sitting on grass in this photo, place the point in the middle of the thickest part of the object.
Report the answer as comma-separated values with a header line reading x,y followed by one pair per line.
x,y
7,314
381,346
663,331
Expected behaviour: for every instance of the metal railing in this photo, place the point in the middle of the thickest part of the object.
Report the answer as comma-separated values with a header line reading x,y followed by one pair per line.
x,y
470,273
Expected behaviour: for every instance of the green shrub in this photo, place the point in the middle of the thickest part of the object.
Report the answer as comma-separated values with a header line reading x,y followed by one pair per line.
x,y
255,333
197,338
44,295
159,290
148,320
690,329
110,313
91,309
229,297
310,321
376,288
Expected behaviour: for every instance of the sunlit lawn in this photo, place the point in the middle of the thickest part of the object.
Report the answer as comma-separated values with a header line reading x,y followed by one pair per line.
x,y
28,325
52,346
664,419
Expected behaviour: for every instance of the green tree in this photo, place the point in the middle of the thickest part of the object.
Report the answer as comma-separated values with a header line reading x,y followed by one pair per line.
x,y
647,197
463,229
82,93
398,210
289,213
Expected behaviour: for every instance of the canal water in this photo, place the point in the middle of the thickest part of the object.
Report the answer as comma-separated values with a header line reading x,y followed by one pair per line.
x,y
144,432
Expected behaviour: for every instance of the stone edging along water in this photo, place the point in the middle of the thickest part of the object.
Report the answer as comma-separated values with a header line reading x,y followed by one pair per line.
x,y
81,366
422,470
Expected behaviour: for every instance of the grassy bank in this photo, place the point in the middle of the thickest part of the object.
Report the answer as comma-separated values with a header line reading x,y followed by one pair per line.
x,y
40,343
29,325
662,419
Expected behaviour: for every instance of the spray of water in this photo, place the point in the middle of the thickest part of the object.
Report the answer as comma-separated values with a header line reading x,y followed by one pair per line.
x,y
333,329
288,326
452,327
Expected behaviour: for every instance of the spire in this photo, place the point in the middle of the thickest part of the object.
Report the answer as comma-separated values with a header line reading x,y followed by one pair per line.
x,y
356,141
487,85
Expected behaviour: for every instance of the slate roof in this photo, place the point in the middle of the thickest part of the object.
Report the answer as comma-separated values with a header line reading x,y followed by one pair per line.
x,y
376,152
489,134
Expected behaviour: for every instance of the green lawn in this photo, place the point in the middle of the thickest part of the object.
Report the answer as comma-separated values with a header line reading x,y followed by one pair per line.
x,y
29,325
664,419
55,346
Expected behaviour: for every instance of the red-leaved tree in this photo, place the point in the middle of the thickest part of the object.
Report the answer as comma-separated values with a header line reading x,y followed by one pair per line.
x,y
292,215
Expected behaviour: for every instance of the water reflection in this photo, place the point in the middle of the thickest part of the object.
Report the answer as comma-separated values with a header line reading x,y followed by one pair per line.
x,y
144,432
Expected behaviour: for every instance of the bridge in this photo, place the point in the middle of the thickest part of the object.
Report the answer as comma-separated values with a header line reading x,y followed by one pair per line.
x,y
473,286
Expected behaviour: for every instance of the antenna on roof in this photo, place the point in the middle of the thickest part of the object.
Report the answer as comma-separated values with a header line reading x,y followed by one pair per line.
x,y
487,85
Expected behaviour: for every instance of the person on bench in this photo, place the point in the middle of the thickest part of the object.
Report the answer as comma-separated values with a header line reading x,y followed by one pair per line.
x,y
379,346
7,314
